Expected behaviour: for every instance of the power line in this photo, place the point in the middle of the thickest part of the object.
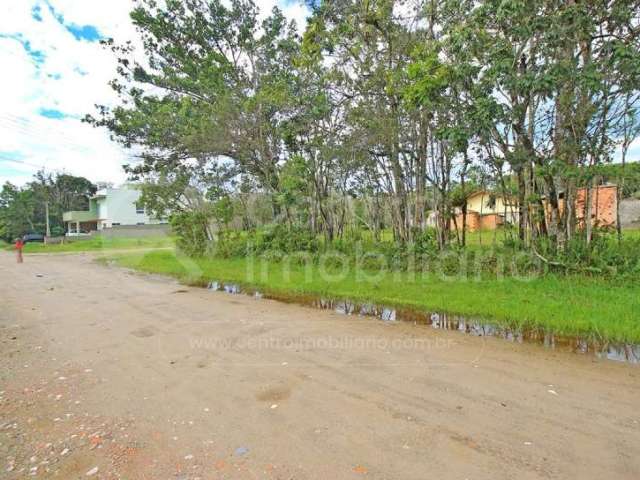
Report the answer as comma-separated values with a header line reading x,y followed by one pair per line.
x,y
25,124
44,134
21,162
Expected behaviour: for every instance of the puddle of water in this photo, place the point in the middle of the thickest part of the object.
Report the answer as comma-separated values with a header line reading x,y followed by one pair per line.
x,y
388,314
621,353
617,352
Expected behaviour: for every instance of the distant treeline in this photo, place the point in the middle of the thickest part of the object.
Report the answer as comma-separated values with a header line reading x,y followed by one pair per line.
x,y
23,209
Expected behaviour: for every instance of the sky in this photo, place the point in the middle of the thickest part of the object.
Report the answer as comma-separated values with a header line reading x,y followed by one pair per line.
x,y
55,71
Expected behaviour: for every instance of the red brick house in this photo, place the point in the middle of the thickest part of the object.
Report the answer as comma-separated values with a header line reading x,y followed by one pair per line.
x,y
604,205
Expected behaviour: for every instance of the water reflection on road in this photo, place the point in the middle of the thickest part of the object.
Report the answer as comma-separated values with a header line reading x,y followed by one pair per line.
x,y
617,352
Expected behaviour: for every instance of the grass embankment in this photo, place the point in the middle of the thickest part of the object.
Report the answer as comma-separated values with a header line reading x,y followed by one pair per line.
x,y
586,307
99,243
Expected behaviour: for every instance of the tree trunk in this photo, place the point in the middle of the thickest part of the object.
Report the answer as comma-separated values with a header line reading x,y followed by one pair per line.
x,y
522,206
587,213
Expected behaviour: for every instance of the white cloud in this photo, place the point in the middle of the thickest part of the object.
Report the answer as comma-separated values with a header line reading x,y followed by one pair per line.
x,y
294,10
71,78
57,83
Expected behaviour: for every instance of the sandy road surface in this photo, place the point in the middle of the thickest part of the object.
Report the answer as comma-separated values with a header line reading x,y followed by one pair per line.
x,y
139,377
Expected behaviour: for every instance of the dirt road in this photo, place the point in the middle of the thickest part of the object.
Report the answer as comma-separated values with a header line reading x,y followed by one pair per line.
x,y
110,374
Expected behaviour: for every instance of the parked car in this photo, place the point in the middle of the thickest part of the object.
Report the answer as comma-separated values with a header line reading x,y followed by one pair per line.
x,y
33,237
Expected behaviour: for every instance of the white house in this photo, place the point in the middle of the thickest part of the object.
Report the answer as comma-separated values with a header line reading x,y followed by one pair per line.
x,y
108,208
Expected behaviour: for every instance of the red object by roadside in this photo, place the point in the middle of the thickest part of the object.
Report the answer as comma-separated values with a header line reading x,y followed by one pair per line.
x,y
19,247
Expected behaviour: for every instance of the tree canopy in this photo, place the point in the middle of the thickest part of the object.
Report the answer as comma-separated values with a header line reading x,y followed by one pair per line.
x,y
380,113
23,210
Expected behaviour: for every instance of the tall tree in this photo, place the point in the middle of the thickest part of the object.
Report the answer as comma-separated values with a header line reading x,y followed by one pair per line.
x,y
215,83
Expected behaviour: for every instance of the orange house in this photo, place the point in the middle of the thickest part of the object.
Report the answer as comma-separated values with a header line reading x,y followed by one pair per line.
x,y
487,211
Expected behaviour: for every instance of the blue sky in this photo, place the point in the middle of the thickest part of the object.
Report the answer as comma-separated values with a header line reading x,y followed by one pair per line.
x,y
56,71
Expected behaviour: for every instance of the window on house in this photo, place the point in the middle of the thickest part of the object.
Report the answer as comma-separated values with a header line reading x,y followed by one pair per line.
x,y
139,208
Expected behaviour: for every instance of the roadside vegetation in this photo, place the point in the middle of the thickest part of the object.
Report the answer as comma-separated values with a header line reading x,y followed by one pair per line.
x,y
361,140
587,307
376,122
498,254
98,243
375,118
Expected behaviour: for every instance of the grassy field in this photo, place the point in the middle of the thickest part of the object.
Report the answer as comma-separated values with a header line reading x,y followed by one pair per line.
x,y
477,238
98,243
488,238
568,305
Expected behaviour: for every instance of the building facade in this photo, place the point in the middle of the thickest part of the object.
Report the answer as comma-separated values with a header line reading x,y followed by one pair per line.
x,y
487,211
108,208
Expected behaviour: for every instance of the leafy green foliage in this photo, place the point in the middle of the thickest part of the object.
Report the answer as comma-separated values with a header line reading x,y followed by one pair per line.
x,y
377,117
273,240
191,231
23,210
604,256
17,212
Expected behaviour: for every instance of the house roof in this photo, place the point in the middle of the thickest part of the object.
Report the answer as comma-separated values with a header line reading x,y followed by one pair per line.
x,y
489,192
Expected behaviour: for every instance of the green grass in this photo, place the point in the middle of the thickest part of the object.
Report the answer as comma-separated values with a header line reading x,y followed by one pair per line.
x,y
586,307
631,233
100,243
488,237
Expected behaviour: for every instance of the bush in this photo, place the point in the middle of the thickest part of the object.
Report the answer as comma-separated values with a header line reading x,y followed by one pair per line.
x,y
604,256
231,244
282,239
191,232
292,239
425,241
298,245
276,240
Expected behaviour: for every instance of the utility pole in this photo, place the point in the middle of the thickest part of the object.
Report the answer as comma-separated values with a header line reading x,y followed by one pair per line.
x,y
46,192
46,215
